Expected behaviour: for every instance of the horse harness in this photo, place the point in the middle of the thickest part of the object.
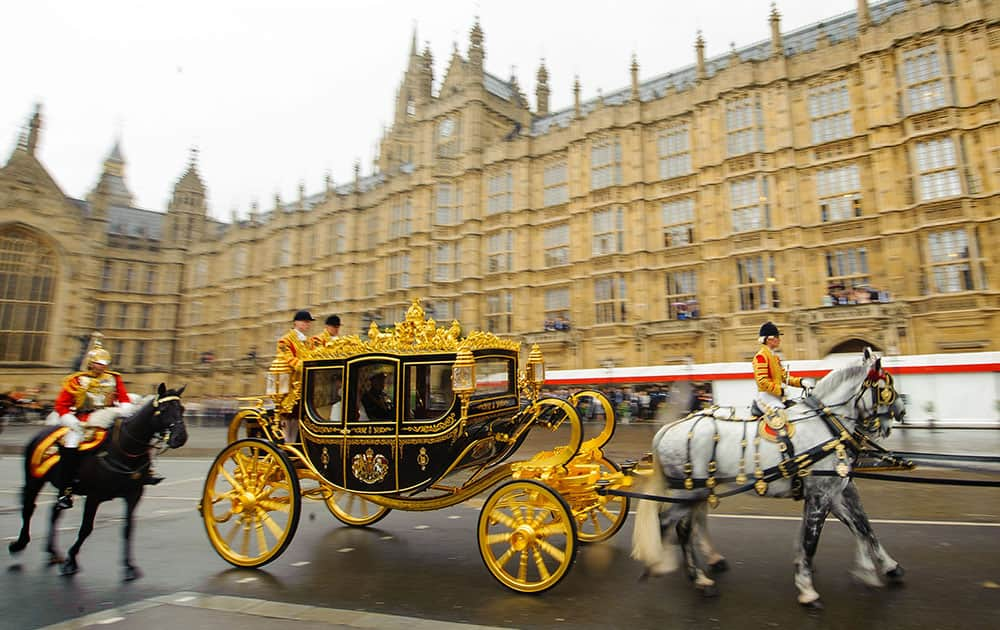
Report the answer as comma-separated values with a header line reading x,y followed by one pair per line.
x,y
775,427
125,467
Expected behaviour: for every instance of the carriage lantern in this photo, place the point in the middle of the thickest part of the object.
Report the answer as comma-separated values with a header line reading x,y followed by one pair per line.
x,y
536,366
463,373
279,378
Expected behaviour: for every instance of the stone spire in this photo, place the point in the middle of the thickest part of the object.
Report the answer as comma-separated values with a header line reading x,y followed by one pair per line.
x,y
777,49
357,176
864,17
277,202
477,54
542,89
427,73
634,68
34,129
699,48
329,184
111,188
576,96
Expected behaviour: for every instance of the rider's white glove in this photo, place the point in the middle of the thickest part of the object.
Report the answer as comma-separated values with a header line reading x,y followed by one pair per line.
x,y
808,382
126,408
69,420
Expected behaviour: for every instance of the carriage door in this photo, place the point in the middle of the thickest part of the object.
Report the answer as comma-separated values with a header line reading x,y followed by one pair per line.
x,y
427,435
321,420
372,416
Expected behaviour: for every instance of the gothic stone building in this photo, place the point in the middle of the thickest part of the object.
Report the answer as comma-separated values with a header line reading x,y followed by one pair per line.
x,y
841,180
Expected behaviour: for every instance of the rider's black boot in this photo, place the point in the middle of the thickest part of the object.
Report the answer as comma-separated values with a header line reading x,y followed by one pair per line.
x,y
151,478
70,465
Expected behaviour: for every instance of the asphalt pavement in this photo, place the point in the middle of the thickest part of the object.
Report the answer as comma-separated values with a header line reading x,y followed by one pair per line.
x,y
630,441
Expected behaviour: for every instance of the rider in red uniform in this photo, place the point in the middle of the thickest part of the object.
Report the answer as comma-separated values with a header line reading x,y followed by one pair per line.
x,y
82,394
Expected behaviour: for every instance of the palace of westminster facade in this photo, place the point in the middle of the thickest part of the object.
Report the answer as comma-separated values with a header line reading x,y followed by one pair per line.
x,y
842,180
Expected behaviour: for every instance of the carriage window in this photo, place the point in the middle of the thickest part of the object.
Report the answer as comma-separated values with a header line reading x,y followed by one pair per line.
x,y
376,391
428,391
326,394
492,376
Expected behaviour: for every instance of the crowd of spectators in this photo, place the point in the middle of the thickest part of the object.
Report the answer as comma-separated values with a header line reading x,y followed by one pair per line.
x,y
840,295
686,310
559,323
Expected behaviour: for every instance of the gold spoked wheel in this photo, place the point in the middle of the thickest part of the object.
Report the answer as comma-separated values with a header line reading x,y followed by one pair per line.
x,y
251,503
245,424
355,510
527,536
602,519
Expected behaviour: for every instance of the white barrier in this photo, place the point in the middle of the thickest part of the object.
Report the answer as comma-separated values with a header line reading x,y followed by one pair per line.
x,y
961,388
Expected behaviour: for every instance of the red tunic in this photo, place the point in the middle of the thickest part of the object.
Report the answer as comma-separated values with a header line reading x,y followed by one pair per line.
x,y
89,392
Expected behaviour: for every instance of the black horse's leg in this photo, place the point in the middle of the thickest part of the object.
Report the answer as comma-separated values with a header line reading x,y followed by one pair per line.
x,y
871,557
815,509
29,494
70,566
50,542
131,500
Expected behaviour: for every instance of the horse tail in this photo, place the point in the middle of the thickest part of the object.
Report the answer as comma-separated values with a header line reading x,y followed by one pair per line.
x,y
647,538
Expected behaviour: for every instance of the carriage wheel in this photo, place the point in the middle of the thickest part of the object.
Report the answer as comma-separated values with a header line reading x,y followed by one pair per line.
x,y
245,424
251,503
355,510
604,521
527,536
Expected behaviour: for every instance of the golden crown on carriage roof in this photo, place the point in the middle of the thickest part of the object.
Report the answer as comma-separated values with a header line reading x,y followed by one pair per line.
x,y
416,334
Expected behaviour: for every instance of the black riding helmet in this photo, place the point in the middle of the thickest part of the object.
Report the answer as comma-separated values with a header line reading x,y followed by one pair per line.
x,y
769,330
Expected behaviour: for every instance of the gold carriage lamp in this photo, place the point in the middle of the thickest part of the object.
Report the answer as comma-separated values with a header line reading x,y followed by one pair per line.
x,y
463,373
536,366
279,378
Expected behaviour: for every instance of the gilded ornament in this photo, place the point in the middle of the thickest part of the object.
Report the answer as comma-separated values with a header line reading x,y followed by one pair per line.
x,y
423,459
370,467
761,487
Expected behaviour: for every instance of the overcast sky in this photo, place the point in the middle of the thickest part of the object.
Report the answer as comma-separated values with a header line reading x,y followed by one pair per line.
x,y
274,93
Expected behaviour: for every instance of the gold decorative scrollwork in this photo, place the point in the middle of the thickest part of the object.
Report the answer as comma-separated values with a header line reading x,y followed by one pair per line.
x,y
415,335
432,428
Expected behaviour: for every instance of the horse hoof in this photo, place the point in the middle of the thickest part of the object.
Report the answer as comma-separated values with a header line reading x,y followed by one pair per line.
x,y
69,568
710,591
813,606
896,575
131,573
17,546
55,558
720,566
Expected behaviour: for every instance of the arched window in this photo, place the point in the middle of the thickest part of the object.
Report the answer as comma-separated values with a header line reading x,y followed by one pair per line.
x,y
27,287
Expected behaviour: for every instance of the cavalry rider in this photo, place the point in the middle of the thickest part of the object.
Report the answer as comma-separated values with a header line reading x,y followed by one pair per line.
x,y
293,347
330,331
82,394
770,374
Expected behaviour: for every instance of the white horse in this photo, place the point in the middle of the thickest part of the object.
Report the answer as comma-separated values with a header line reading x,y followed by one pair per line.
x,y
823,432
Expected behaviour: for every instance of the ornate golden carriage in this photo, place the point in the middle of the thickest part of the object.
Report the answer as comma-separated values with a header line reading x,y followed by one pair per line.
x,y
417,418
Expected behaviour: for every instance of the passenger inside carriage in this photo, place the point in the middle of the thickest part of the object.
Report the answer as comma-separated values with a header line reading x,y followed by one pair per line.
x,y
376,401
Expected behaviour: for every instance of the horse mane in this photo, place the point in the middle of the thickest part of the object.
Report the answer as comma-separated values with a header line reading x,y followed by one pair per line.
x,y
832,381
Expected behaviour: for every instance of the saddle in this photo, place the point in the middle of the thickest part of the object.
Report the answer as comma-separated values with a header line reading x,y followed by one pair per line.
x,y
45,455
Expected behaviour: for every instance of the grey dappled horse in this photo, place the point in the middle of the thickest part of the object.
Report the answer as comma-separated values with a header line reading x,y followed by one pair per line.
x,y
860,398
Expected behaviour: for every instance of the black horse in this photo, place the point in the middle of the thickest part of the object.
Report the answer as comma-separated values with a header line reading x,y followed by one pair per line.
x,y
114,469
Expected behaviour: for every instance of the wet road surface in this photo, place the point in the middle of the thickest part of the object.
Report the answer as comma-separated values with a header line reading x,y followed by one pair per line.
x,y
425,567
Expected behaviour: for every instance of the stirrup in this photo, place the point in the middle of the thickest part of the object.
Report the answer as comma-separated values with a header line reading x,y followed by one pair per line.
x,y
65,500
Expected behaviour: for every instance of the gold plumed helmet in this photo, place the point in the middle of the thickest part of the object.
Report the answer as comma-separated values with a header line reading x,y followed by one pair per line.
x,y
95,352
99,355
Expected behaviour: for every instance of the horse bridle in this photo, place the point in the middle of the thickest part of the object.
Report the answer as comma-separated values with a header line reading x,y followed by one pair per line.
x,y
159,436
883,395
